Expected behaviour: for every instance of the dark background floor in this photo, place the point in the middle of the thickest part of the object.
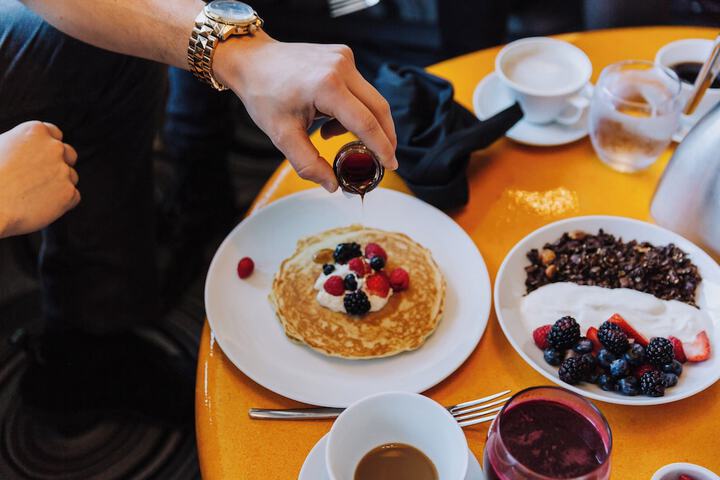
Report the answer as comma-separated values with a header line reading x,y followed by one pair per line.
x,y
193,220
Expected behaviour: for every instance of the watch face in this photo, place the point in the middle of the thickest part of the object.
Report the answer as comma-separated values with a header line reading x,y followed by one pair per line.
x,y
230,11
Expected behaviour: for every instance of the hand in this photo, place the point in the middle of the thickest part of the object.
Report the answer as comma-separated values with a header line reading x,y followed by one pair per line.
x,y
285,86
37,181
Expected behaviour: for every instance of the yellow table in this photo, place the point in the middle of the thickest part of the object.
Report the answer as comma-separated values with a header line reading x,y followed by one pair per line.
x,y
514,190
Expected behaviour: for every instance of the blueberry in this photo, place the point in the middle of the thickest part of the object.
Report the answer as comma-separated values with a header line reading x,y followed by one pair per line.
x,y
605,358
629,386
670,379
350,282
607,383
592,376
584,345
328,268
552,356
377,263
636,355
619,368
675,367
589,360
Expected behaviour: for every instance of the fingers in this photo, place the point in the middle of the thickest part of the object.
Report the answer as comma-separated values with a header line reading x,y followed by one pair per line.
x,y
70,155
53,130
356,117
332,128
74,200
377,104
74,178
304,157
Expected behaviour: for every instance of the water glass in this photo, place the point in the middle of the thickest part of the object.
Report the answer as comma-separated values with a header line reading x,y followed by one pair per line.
x,y
548,433
634,112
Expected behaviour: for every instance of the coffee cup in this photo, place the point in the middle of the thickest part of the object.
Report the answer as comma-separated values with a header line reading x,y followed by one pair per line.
x,y
396,418
689,51
548,77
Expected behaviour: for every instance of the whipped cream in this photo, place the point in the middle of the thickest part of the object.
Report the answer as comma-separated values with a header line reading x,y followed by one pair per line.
x,y
336,303
592,305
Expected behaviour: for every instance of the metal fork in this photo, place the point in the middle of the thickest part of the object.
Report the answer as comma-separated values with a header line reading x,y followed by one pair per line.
x,y
467,413
338,8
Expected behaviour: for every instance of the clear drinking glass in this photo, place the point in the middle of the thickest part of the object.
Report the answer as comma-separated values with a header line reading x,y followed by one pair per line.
x,y
548,433
634,112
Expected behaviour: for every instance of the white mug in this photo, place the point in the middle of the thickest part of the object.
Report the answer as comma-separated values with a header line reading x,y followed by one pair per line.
x,y
548,77
396,417
690,50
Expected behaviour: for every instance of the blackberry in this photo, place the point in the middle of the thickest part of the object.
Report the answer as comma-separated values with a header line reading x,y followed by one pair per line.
x,y
660,351
564,333
356,303
572,370
652,384
553,357
609,326
346,251
584,345
614,340
350,282
328,268
377,263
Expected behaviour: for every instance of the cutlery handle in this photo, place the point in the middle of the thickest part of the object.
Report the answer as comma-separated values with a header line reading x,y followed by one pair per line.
x,y
295,413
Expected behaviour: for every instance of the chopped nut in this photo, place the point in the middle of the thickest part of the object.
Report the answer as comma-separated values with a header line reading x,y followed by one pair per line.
x,y
577,235
550,271
547,256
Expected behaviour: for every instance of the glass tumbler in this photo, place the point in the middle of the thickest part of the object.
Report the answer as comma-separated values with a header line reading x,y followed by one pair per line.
x,y
634,112
548,433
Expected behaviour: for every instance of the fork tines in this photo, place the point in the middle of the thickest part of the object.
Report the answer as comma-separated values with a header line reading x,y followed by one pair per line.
x,y
339,8
479,411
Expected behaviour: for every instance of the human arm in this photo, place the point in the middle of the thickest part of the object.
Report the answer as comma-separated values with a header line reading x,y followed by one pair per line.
x,y
284,86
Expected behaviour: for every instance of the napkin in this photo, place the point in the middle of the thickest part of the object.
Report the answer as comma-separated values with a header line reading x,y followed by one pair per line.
x,y
436,134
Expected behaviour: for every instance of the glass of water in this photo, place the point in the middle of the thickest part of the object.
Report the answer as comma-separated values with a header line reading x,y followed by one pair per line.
x,y
634,112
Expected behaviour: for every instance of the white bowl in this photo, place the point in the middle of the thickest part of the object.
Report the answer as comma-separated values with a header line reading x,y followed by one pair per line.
x,y
674,470
510,288
396,417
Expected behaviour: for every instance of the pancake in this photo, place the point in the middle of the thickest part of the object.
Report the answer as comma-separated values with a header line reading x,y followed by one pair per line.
x,y
404,323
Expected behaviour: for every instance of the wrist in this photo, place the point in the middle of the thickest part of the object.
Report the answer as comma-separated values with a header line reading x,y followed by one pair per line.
x,y
234,58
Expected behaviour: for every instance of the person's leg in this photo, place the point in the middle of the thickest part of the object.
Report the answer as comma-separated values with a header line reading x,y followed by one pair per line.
x,y
97,263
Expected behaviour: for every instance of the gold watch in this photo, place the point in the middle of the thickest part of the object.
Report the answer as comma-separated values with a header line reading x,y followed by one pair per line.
x,y
216,22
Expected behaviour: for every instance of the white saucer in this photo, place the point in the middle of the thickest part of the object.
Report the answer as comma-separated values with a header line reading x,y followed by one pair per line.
x,y
314,466
491,96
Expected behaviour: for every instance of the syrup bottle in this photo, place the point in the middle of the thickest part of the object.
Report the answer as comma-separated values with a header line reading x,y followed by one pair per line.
x,y
357,169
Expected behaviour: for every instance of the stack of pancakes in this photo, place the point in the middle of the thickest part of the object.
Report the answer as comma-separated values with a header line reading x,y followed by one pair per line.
x,y
407,320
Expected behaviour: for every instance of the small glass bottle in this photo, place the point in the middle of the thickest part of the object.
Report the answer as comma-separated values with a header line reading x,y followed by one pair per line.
x,y
357,168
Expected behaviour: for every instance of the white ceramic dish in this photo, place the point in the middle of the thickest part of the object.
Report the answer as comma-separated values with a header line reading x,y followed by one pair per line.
x,y
245,326
510,288
491,96
674,470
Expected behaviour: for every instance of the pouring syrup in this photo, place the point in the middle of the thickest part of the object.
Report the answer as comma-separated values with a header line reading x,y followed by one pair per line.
x,y
357,169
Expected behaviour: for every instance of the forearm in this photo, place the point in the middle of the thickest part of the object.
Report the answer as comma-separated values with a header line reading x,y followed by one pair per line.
x,y
153,29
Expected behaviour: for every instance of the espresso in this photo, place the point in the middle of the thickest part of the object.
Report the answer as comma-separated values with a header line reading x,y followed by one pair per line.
x,y
395,461
688,72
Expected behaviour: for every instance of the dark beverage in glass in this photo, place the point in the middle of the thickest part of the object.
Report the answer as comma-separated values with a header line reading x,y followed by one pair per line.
x,y
547,433
688,72
357,169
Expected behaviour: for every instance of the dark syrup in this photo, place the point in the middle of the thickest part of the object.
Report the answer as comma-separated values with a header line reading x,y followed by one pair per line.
x,y
357,169
550,439
688,72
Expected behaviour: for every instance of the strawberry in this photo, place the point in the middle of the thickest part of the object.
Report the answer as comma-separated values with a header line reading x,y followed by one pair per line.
x,y
334,285
358,266
375,250
540,336
377,285
245,267
642,369
592,334
678,350
399,279
618,320
699,349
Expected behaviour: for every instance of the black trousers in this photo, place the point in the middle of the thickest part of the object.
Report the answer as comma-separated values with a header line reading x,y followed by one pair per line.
x,y
97,263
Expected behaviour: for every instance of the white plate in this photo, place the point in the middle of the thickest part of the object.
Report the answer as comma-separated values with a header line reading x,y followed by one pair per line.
x,y
246,328
314,466
510,287
491,96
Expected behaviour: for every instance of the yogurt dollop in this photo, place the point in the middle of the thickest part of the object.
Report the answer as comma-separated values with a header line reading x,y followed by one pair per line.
x,y
336,303
591,306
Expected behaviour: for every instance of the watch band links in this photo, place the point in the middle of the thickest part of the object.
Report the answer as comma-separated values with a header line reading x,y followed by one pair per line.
x,y
201,50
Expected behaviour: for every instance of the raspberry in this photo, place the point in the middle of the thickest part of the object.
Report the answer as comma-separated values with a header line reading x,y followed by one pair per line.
x,y
358,266
399,280
540,336
377,285
245,267
334,285
375,250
